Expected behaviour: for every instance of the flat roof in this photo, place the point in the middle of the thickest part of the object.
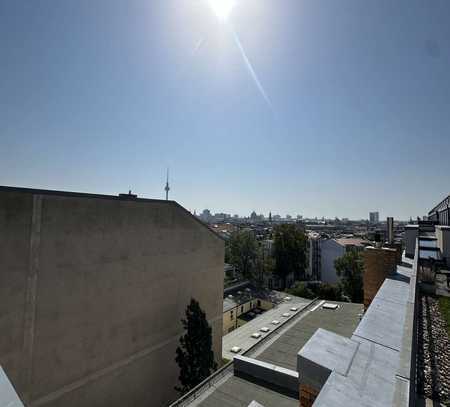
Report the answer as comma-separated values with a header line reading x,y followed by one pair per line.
x,y
238,392
352,241
343,321
242,336
379,370
280,349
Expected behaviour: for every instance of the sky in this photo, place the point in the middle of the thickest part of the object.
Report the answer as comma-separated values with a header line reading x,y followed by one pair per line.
x,y
319,108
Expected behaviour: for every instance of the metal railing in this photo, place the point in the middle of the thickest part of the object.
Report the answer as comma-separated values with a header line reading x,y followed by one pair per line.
x,y
210,381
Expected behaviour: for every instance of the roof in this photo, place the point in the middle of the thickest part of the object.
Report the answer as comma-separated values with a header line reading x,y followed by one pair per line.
x,y
8,395
244,292
280,349
238,392
378,371
352,241
242,336
343,321
121,197
228,304
371,367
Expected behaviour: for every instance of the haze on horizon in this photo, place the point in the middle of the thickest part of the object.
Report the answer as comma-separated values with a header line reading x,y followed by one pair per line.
x,y
103,96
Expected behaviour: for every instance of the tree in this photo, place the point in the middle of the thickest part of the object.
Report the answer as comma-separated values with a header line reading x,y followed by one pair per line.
x,y
194,355
350,268
311,290
264,266
290,252
301,289
241,252
329,292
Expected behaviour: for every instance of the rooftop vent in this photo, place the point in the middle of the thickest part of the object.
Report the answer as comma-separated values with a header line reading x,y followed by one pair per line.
x,y
328,305
128,196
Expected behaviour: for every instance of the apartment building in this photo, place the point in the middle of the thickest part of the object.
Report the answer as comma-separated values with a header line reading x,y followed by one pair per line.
x,y
92,291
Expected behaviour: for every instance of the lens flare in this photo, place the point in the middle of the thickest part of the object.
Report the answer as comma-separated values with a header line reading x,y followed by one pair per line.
x,y
222,8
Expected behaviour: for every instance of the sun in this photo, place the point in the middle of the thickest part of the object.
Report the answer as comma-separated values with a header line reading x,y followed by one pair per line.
x,y
222,8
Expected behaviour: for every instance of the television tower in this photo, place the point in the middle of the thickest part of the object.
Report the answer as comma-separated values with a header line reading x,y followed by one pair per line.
x,y
167,188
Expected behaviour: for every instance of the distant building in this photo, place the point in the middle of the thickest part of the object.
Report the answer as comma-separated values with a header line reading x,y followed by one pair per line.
x,y
314,266
237,302
93,288
254,217
221,217
206,216
390,229
328,250
374,217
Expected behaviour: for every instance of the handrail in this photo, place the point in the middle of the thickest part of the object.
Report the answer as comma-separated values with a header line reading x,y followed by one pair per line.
x,y
210,380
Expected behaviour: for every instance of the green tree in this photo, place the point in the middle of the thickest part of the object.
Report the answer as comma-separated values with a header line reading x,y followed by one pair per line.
x,y
264,266
194,355
241,252
301,289
350,268
311,290
290,252
329,292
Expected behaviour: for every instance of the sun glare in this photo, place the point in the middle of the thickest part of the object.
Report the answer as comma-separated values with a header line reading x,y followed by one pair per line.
x,y
222,8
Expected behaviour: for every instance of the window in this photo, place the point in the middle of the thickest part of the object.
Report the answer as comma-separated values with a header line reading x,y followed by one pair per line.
x,y
242,308
231,315
259,303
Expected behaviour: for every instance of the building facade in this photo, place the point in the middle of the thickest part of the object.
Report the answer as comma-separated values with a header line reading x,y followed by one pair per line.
x,y
332,249
92,291
315,256
374,217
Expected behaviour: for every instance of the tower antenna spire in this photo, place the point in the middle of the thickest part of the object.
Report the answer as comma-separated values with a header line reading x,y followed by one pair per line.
x,y
167,188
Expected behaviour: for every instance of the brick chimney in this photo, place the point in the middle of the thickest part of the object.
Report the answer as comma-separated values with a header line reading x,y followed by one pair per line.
x,y
378,264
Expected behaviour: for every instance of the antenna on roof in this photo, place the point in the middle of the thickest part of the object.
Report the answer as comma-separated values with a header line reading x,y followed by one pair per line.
x,y
167,188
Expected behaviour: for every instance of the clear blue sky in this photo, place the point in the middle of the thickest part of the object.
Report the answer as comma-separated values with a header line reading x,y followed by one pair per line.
x,y
102,95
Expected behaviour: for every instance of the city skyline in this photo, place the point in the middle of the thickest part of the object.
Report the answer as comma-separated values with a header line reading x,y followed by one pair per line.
x,y
323,107
293,216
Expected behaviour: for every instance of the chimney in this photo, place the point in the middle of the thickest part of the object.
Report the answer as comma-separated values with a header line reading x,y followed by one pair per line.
x,y
378,264
390,230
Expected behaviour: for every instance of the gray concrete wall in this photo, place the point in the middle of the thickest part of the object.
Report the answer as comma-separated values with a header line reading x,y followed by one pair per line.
x,y
92,291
